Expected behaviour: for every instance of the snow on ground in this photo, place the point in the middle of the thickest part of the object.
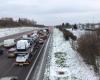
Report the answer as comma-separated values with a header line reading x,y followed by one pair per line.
x,y
75,68
10,31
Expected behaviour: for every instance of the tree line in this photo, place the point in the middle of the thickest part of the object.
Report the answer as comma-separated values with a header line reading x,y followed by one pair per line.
x,y
67,25
10,22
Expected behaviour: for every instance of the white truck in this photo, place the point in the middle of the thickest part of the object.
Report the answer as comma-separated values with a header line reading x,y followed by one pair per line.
x,y
24,51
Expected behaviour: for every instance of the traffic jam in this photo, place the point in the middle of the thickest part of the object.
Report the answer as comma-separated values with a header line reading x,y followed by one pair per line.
x,y
21,50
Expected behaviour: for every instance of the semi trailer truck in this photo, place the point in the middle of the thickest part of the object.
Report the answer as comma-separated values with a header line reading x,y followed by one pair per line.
x,y
24,50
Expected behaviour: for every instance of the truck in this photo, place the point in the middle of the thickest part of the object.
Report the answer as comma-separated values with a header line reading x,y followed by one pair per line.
x,y
43,35
24,49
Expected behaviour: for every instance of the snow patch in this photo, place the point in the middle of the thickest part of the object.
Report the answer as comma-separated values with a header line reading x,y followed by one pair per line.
x,y
10,31
75,68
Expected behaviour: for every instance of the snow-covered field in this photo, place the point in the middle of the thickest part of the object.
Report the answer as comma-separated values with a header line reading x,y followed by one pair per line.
x,y
75,68
10,31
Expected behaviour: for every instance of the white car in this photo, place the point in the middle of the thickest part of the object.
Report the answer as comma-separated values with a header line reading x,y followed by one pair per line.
x,y
11,53
22,59
9,78
12,50
9,43
24,36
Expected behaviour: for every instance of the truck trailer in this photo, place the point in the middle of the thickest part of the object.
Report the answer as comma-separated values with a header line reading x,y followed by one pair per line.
x,y
24,51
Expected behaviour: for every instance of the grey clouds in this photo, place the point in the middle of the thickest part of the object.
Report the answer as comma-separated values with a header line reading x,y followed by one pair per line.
x,y
51,12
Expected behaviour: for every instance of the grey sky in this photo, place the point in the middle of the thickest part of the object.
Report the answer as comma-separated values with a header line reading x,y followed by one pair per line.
x,y
52,12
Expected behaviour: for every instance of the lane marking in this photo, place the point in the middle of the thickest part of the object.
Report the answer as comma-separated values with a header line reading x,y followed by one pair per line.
x,y
39,73
27,77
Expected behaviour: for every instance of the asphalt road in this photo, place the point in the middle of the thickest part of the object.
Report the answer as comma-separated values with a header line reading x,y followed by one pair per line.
x,y
15,36
7,67
39,68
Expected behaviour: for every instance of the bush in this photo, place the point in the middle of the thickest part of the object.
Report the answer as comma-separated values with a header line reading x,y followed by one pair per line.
x,y
73,37
74,27
67,34
60,59
88,48
60,54
98,32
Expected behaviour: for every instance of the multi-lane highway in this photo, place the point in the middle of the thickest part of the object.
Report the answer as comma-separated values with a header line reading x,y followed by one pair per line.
x,y
16,36
8,67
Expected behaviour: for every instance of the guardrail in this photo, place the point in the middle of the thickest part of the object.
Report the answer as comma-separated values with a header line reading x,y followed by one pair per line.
x,y
44,60
28,77
48,61
43,52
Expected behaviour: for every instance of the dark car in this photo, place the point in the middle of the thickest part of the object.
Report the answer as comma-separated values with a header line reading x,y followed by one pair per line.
x,y
11,53
9,78
1,51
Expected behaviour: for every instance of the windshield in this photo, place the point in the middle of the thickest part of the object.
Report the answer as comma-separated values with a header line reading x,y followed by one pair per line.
x,y
21,55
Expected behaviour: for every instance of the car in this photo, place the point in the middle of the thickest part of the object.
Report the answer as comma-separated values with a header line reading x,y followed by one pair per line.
x,y
12,50
23,45
1,51
9,78
9,43
22,59
41,41
11,53
25,36
34,36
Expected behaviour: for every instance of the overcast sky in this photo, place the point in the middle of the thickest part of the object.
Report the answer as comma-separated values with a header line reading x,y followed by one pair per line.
x,y
51,12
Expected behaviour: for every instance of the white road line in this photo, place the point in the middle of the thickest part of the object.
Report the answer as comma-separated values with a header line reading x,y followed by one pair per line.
x,y
27,77
37,78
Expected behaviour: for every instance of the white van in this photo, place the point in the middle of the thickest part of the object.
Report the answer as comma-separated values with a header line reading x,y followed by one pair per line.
x,y
22,45
9,43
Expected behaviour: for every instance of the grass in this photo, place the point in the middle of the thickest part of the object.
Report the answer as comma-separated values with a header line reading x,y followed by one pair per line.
x,y
88,48
67,34
60,59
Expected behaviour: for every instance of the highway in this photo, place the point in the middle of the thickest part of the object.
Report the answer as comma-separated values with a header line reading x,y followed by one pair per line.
x,y
8,67
15,36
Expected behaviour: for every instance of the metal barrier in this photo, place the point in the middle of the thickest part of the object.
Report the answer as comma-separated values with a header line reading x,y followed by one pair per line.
x,y
28,77
44,60
48,61
43,52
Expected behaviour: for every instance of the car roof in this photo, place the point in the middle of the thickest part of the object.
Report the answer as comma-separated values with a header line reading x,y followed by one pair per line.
x,y
8,78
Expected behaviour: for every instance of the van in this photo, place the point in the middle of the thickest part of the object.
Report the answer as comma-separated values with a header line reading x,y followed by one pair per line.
x,y
23,45
9,43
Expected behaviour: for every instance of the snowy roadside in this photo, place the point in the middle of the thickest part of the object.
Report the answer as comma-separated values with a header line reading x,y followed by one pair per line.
x,y
75,68
10,31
